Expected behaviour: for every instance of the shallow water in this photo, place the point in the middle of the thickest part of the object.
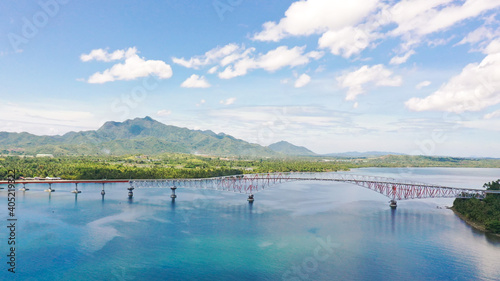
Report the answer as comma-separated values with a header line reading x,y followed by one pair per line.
x,y
293,231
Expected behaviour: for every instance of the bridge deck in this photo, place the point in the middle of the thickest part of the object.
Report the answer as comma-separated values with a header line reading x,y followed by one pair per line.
x,y
64,181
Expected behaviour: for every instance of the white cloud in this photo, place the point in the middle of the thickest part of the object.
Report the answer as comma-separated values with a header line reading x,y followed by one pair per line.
x,y
201,102
477,35
493,47
347,41
402,59
164,112
377,74
418,18
103,55
46,120
210,57
213,70
241,54
303,80
422,84
315,17
491,124
271,61
475,88
349,27
132,68
228,101
237,60
274,122
195,81
282,56
492,115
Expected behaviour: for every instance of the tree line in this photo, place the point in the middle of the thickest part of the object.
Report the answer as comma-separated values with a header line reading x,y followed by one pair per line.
x,y
485,212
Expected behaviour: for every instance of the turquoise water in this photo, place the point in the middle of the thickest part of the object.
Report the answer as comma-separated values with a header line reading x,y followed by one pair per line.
x,y
293,231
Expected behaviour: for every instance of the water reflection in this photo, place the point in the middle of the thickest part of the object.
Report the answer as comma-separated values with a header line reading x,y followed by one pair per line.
x,y
172,205
393,219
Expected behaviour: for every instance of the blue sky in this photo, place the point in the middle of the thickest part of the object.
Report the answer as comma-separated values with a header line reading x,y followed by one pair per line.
x,y
415,76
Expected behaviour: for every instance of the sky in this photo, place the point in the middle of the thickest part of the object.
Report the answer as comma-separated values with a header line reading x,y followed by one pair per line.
x,y
417,76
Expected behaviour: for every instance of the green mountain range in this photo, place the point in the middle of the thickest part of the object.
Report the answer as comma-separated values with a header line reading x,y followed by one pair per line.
x,y
136,136
287,148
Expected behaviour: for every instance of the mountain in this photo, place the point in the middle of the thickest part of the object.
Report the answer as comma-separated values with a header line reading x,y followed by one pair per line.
x,y
356,154
139,135
290,149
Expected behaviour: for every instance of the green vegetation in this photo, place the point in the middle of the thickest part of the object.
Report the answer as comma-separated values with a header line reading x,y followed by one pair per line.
x,y
485,213
176,165
91,167
161,166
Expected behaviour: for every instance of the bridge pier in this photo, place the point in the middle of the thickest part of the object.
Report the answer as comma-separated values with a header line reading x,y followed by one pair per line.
x,y
23,188
50,188
393,204
250,198
76,191
173,196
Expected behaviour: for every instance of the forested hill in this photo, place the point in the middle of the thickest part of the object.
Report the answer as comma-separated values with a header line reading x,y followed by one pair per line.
x,y
484,213
290,149
139,135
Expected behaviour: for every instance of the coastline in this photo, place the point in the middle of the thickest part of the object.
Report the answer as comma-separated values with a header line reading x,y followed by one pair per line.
x,y
474,225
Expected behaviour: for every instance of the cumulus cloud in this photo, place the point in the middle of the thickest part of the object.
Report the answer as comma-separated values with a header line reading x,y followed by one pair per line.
x,y
480,35
271,61
349,27
347,41
102,55
378,75
234,60
303,80
422,84
228,101
475,88
209,57
425,17
132,68
315,17
195,81
416,19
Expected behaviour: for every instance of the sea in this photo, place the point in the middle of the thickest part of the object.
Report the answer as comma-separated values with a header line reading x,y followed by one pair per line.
x,y
301,230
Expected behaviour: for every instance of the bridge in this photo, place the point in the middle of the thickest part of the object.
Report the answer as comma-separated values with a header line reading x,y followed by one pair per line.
x,y
252,183
394,189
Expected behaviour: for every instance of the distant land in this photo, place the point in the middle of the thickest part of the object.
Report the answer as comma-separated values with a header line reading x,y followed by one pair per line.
x,y
367,154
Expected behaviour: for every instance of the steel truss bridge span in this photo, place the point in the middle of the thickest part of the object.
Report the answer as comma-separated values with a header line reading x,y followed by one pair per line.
x,y
252,183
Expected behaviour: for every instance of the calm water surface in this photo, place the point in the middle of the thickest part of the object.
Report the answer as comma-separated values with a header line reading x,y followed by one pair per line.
x,y
293,231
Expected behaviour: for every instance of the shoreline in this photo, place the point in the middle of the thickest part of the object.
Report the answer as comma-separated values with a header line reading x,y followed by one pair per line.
x,y
472,224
